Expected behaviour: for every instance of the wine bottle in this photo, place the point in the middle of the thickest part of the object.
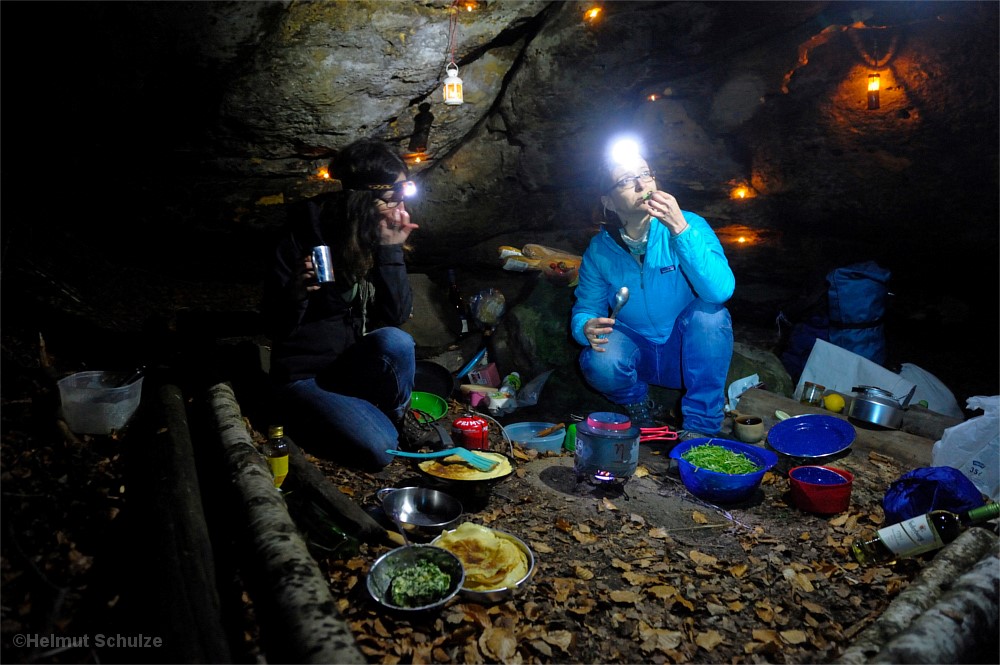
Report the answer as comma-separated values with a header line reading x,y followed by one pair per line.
x,y
920,534
276,452
458,302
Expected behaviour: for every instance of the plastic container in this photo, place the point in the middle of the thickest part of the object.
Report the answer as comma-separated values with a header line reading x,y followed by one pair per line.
x,y
525,434
821,489
723,487
94,403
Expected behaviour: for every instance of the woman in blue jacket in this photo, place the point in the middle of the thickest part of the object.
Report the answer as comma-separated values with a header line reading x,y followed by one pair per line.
x,y
674,330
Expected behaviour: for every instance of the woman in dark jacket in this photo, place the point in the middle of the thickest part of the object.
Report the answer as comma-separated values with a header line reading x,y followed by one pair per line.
x,y
343,371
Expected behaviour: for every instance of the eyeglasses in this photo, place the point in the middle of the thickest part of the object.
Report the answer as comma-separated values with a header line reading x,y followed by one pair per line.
x,y
630,181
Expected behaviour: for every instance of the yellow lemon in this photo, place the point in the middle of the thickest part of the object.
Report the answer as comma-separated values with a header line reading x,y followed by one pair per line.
x,y
833,402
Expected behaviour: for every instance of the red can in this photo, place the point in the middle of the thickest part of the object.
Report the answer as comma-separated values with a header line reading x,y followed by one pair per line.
x,y
472,432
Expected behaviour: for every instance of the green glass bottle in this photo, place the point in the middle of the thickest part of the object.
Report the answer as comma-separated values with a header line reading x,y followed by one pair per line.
x,y
920,534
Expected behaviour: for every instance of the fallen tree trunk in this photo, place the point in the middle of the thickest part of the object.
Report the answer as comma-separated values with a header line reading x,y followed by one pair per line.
x,y
307,478
962,622
173,593
924,595
306,627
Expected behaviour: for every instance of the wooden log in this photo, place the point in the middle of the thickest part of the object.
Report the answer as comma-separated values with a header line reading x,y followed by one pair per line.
x,y
172,593
307,478
910,450
962,623
306,627
953,560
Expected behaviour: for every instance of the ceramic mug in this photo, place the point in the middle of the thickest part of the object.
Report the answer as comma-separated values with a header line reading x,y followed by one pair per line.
x,y
749,429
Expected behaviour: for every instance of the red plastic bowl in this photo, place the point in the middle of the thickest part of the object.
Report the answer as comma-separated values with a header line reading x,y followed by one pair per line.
x,y
821,489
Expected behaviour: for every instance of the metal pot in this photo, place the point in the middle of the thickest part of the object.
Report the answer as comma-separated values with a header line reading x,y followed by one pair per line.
x,y
607,448
877,406
421,511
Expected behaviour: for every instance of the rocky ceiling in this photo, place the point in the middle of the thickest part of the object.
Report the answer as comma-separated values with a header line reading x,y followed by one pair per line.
x,y
169,133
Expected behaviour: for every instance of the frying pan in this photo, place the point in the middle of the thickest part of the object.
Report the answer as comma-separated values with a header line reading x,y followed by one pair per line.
x,y
433,378
466,490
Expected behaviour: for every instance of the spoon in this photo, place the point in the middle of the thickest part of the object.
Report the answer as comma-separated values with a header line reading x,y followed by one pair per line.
x,y
620,299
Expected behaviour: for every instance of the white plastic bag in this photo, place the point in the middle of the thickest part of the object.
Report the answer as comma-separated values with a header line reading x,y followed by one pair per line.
x,y
973,447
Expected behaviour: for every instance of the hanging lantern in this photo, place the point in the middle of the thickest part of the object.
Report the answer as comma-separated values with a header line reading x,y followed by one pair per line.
x,y
873,85
452,86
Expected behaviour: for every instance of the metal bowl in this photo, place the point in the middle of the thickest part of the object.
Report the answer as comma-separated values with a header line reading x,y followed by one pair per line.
x,y
420,511
496,595
392,563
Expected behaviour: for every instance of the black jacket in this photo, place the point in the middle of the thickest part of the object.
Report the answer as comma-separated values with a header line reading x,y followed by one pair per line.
x,y
308,335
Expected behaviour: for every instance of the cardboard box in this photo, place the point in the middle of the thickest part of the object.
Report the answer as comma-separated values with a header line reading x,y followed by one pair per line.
x,y
485,376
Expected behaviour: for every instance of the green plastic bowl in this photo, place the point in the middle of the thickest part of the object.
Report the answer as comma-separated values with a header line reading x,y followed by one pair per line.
x,y
428,407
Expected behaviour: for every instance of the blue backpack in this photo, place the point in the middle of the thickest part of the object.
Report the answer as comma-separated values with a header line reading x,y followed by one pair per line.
x,y
857,298
848,310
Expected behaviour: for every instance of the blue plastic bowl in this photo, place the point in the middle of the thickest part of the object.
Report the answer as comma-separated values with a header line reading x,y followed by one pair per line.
x,y
527,435
723,487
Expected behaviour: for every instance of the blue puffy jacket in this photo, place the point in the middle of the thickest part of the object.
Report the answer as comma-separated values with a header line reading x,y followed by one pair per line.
x,y
675,270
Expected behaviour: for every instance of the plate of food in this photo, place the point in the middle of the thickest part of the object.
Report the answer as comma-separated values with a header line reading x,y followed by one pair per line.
x,y
496,563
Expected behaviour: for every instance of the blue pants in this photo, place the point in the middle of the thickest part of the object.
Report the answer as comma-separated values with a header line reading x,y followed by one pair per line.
x,y
695,359
348,413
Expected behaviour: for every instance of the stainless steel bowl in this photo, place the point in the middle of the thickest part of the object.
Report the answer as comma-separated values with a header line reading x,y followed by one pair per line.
x,y
496,595
392,563
421,512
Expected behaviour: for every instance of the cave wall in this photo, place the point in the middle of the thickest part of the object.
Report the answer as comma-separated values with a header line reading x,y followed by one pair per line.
x,y
169,135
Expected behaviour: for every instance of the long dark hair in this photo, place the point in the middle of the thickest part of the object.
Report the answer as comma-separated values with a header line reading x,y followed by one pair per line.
x,y
350,220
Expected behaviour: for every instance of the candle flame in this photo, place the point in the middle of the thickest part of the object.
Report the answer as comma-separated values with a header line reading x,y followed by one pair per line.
x,y
592,13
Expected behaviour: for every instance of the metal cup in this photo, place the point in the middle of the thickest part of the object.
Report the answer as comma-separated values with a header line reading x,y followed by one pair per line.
x,y
812,394
322,263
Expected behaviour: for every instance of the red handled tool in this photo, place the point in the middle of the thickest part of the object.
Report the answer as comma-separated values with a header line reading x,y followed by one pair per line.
x,y
663,433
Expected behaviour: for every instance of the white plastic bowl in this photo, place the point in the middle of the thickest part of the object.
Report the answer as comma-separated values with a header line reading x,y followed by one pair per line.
x,y
93,403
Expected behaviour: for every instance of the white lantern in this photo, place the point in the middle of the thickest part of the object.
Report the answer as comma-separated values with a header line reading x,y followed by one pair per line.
x,y
452,86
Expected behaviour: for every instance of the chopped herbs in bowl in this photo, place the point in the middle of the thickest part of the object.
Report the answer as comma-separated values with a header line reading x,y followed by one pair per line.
x,y
421,584
721,470
415,577
720,459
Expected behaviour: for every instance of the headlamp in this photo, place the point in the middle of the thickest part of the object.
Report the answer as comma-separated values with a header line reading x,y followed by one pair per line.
x,y
400,190
625,152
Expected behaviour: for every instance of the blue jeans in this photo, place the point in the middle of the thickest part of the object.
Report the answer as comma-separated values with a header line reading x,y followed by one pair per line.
x,y
348,412
695,359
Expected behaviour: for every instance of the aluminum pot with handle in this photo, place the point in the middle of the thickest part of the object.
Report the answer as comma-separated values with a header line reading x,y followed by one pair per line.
x,y
877,406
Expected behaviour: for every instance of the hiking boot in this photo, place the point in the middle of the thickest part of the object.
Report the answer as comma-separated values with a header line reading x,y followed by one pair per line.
x,y
413,434
641,413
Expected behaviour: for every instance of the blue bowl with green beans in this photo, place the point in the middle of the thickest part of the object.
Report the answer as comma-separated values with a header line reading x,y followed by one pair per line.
x,y
720,470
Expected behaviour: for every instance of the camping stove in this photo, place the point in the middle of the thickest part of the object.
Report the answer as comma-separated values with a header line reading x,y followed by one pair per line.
x,y
607,449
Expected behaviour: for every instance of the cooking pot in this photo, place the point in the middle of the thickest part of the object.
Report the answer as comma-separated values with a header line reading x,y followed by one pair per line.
x,y
421,511
607,448
878,407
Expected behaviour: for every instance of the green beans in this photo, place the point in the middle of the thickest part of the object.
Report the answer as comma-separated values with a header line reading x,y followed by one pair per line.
x,y
719,459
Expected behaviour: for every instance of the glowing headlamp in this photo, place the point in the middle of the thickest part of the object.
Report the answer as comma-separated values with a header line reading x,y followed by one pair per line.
x,y
400,190
625,152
